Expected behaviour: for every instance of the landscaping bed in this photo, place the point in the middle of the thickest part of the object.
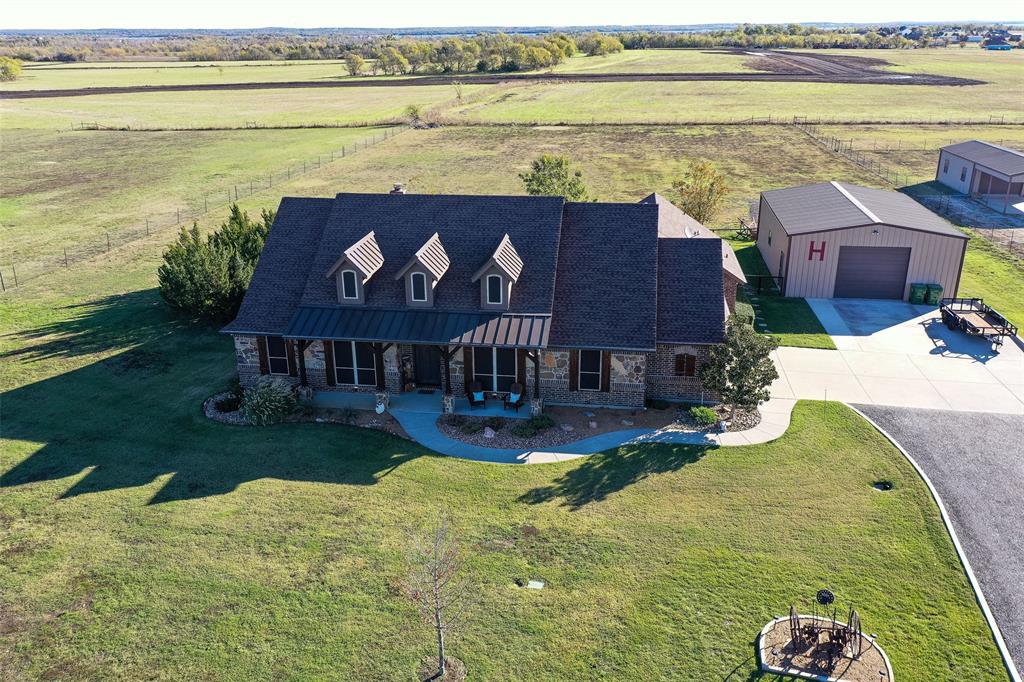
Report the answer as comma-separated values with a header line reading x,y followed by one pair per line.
x,y
564,425
224,407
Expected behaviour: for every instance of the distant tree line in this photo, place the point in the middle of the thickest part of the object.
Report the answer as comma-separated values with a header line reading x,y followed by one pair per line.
x,y
482,52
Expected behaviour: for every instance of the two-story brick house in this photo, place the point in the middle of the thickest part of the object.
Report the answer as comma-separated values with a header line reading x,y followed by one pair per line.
x,y
581,303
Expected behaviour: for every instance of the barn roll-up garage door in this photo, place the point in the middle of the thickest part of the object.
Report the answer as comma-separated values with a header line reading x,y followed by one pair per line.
x,y
871,272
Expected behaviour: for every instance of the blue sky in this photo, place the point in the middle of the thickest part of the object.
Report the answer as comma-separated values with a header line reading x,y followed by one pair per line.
x,y
63,14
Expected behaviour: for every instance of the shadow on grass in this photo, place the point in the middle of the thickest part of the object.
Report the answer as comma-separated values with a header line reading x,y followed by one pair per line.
x,y
135,417
608,472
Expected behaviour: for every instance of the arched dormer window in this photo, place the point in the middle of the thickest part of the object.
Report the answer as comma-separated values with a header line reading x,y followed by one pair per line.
x,y
349,285
494,287
418,286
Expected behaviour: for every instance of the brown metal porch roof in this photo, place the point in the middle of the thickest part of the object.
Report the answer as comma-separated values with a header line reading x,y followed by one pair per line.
x,y
511,330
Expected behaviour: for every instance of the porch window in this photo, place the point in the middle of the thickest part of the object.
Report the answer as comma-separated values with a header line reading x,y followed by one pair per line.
x,y
354,363
349,285
686,365
590,370
963,173
277,355
494,289
419,286
945,166
494,368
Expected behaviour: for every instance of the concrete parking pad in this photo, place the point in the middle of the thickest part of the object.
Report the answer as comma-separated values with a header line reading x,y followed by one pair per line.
x,y
894,353
974,461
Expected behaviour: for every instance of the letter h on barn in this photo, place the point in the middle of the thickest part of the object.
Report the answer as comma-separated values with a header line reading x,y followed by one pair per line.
x,y
820,252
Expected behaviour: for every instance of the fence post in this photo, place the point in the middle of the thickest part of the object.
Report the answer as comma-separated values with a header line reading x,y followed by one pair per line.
x,y
108,242
65,258
250,188
3,287
206,205
147,227
236,192
177,212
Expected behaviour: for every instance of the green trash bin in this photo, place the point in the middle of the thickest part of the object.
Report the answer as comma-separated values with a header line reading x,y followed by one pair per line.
x,y
917,293
934,294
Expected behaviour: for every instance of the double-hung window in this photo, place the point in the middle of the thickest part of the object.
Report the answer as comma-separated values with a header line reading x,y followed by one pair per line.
x,y
945,166
686,365
494,368
590,370
418,282
277,355
354,363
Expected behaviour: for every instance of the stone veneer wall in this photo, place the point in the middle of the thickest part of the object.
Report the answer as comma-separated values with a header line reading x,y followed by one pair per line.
x,y
626,385
662,382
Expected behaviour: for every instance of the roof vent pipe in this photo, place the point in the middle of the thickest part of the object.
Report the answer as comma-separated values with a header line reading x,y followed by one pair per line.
x,y
399,188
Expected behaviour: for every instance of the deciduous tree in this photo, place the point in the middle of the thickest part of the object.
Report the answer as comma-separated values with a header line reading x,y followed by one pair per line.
x,y
701,191
740,370
354,64
551,175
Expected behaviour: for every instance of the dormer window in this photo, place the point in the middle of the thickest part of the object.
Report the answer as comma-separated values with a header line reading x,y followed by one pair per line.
x,y
418,286
498,274
349,285
354,269
423,271
494,290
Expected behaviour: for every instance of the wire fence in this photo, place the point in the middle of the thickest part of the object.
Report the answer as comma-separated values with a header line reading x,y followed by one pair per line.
x,y
845,149
21,268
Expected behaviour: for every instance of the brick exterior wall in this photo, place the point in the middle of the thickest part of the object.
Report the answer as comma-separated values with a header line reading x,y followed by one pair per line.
x,y
731,285
634,376
662,382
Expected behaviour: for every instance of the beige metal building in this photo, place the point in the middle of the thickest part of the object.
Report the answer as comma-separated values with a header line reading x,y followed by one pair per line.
x,y
837,240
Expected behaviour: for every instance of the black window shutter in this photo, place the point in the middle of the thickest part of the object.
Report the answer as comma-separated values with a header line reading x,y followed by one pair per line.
x,y
606,371
574,370
261,345
329,361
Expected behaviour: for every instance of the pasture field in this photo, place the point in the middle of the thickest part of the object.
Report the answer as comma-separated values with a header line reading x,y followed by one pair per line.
x,y
227,108
62,189
658,61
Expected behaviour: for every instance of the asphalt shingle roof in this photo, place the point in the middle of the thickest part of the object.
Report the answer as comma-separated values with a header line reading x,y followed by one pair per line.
x,y
594,275
468,226
606,289
280,276
674,223
1001,159
833,206
691,305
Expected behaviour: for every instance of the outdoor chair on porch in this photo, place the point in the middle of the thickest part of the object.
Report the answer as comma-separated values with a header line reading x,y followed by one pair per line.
x,y
475,395
515,398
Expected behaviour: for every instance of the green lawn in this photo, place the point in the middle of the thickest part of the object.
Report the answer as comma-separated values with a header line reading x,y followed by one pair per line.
x,y
141,540
790,320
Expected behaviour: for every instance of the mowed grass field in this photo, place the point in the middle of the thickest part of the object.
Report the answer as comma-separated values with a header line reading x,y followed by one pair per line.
x,y
140,539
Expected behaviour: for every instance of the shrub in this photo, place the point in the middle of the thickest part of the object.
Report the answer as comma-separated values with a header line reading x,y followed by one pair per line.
x,y
453,419
523,429
269,401
349,415
229,404
469,428
10,69
541,422
206,279
495,423
704,416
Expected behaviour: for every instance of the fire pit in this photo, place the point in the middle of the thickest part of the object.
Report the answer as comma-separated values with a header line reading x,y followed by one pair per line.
x,y
818,647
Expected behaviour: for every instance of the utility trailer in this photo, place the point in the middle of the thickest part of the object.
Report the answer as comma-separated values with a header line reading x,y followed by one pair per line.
x,y
974,318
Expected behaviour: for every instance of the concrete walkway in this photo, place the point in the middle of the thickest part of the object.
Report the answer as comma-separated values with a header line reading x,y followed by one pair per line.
x,y
422,427
894,353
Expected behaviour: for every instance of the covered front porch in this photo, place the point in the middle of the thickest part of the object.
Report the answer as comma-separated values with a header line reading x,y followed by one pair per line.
x,y
416,401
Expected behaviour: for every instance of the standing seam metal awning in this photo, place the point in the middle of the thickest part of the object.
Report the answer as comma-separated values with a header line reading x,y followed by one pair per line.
x,y
512,330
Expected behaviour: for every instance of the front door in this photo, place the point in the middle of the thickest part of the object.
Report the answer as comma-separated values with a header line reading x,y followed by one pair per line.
x,y
428,365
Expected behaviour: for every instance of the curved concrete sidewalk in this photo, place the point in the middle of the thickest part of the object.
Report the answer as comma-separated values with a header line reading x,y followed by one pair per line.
x,y
422,427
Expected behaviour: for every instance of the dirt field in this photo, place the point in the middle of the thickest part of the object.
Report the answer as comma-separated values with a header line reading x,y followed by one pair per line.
x,y
796,67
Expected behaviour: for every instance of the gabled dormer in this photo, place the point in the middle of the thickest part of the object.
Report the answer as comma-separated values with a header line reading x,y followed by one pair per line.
x,y
497,276
423,271
354,269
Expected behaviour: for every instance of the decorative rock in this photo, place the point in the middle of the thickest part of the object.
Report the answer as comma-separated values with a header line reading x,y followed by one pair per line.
x,y
488,432
568,428
588,414
627,422
592,424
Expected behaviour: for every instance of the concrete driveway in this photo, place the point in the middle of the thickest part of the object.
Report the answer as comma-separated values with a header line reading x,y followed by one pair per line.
x,y
894,353
975,463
